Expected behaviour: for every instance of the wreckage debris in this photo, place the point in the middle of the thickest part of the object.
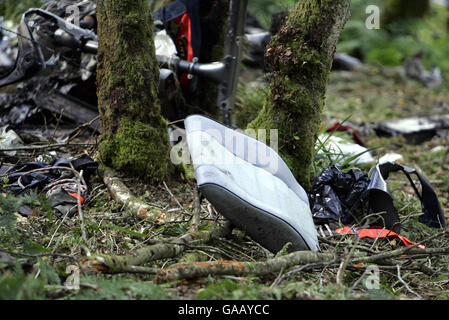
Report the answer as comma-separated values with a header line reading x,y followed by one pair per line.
x,y
390,157
339,196
340,150
376,233
416,129
336,194
335,197
8,51
56,179
432,213
345,62
68,91
341,127
337,145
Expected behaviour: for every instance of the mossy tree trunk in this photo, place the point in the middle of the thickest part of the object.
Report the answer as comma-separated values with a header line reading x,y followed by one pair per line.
x,y
300,56
396,10
134,136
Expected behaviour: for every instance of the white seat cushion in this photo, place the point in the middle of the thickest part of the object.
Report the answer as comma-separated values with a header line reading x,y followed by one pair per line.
x,y
263,198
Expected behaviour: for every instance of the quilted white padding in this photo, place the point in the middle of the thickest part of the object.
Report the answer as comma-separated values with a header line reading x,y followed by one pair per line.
x,y
271,187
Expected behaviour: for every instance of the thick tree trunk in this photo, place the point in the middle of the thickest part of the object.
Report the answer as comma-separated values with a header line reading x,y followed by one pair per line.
x,y
134,136
396,10
301,56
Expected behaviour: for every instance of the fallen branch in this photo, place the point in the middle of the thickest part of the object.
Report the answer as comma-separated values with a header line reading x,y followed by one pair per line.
x,y
405,252
176,200
405,283
237,268
120,193
287,275
127,263
344,263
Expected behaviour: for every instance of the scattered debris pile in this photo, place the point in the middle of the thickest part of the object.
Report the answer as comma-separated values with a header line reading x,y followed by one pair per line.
x,y
67,91
64,182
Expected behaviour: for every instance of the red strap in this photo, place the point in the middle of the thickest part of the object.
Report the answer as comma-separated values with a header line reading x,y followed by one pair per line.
x,y
376,233
185,32
75,195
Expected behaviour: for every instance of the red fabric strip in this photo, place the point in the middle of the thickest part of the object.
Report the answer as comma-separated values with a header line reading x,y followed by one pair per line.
x,y
376,233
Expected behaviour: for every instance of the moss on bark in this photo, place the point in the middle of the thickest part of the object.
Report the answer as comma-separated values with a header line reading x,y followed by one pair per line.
x,y
134,136
300,56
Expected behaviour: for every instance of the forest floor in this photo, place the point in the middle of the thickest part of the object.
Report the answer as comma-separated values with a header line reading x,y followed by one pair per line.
x,y
36,251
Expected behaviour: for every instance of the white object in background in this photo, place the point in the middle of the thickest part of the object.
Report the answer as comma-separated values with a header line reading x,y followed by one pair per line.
x,y
9,139
390,157
164,44
437,149
340,149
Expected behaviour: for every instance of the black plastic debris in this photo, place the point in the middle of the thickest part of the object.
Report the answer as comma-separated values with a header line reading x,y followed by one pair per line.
x,y
380,200
64,203
344,62
432,214
25,210
60,185
339,196
336,194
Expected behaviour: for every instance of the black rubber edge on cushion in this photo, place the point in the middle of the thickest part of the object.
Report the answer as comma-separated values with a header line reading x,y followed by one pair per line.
x,y
267,229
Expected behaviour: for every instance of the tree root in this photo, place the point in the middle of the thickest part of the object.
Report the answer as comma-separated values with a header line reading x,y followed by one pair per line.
x,y
122,194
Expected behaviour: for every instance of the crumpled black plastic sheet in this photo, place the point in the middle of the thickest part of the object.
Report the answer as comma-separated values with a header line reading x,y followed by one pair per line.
x,y
336,194
38,180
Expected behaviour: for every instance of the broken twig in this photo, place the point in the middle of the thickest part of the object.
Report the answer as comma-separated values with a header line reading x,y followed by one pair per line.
x,y
196,211
176,200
